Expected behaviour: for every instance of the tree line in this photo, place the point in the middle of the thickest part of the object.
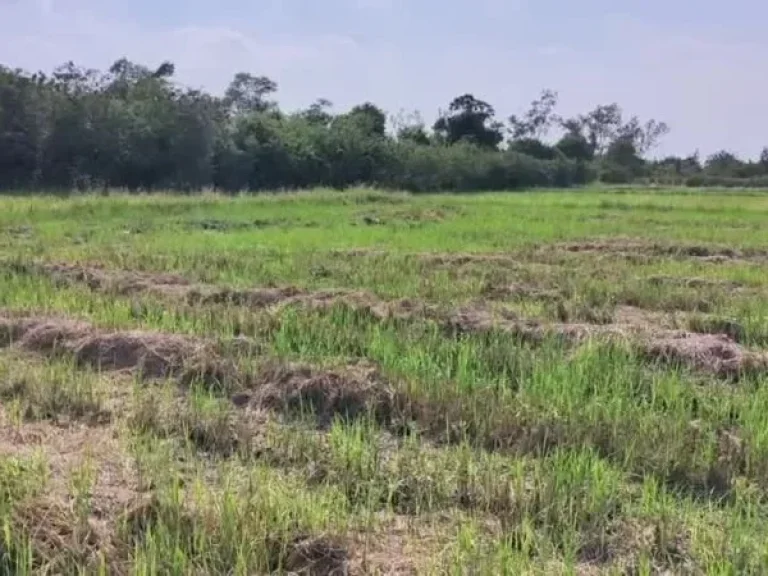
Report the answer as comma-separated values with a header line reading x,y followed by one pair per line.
x,y
133,127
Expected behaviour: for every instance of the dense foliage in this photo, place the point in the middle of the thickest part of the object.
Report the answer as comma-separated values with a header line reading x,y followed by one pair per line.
x,y
133,127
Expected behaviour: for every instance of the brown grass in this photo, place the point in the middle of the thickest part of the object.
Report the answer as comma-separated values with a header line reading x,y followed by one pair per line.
x,y
58,531
350,393
153,355
629,247
161,355
713,353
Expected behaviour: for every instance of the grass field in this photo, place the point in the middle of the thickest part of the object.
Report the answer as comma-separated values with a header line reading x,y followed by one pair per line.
x,y
372,383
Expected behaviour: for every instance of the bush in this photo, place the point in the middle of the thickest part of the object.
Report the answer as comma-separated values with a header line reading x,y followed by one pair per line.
x,y
464,167
706,181
615,174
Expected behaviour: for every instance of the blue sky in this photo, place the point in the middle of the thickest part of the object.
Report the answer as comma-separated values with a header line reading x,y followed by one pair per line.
x,y
700,66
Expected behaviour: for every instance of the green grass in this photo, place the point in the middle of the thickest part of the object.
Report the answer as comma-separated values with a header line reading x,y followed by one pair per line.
x,y
499,456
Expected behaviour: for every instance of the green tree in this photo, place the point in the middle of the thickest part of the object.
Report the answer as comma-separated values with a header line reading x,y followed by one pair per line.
x,y
644,137
575,146
134,127
411,128
370,118
537,121
24,127
764,159
248,93
723,163
469,120
319,112
535,148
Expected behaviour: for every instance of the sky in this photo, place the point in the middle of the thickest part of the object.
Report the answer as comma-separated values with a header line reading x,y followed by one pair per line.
x,y
698,65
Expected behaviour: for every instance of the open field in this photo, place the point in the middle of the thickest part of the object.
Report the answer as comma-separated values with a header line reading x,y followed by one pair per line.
x,y
370,383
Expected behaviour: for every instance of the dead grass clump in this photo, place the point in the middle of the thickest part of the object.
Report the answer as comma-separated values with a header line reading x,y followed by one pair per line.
x,y
214,225
402,309
153,355
141,515
352,393
10,331
641,320
66,527
412,216
261,298
316,556
458,259
571,312
698,251
695,282
149,511
717,354
626,543
150,354
60,540
46,335
716,325
614,245
179,289
629,248
100,279
435,259
714,353
476,319
480,318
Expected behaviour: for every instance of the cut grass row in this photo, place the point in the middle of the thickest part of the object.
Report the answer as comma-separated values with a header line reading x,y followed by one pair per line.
x,y
584,287
529,386
252,510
